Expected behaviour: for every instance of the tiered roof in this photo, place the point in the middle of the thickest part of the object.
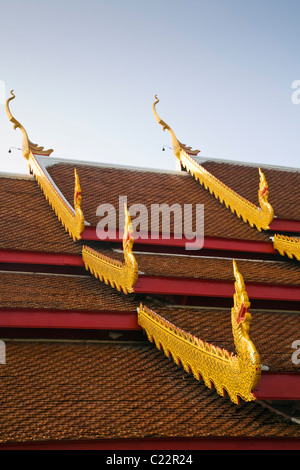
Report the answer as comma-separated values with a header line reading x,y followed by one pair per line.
x,y
94,390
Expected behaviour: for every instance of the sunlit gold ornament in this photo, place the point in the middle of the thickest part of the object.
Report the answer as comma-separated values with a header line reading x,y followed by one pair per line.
x,y
289,246
121,276
71,219
261,217
238,375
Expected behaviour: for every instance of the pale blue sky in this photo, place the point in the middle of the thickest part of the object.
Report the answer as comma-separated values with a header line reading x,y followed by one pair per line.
x,y
85,74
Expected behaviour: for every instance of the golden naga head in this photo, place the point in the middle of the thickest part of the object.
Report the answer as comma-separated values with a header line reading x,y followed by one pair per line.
x,y
241,301
263,185
77,190
128,230
176,145
27,145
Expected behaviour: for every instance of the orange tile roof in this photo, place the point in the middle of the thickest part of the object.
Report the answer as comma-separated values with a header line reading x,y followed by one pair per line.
x,y
27,221
68,391
104,185
269,272
61,292
244,179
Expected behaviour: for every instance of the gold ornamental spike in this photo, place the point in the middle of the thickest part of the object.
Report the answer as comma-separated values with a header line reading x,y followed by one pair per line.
x,y
121,276
176,145
79,218
77,190
240,296
27,145
238,375
128,230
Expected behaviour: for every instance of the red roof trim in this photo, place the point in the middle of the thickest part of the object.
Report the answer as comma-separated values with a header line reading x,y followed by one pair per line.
x,y
239,245
73,319
215,243
285,225
39,257
272,385
177,444
278,386
213,288
163,285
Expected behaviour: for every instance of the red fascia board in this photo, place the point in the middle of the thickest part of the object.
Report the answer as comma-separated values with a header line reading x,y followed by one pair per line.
x,y
278,386
160,444
162,285
70,259
285,225
212,288
214,243
233,244
39,257
73,319
272,386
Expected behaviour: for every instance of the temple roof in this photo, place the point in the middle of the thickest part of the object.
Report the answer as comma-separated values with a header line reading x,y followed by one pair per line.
x,y
128,389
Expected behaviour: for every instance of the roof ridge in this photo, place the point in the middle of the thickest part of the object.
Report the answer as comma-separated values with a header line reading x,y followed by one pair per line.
x,y
43,274
136,252
20,176
48,162
71,340
242,163
208,307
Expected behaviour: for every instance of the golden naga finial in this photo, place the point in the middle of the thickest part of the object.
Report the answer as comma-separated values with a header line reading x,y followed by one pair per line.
x,y
27,145
240,296
247,358
263,185
238,375
263,198
77,206
77,190
72,220
127,238
177,146
263,193
121,276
